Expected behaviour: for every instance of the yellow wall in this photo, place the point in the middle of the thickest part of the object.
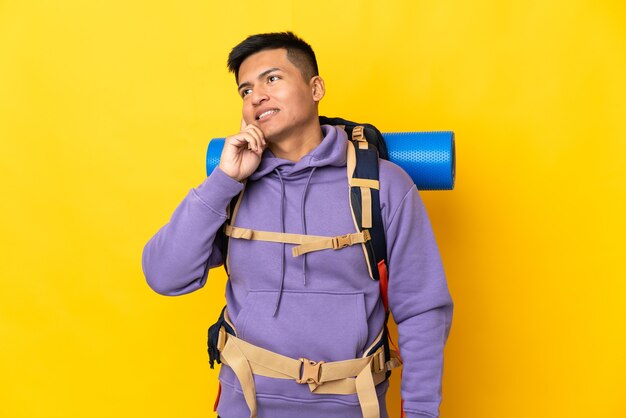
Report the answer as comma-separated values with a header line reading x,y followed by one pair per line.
x,y
106,108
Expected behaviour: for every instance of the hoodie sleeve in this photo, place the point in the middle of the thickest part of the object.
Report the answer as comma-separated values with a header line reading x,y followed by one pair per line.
x,y
176,260
420,303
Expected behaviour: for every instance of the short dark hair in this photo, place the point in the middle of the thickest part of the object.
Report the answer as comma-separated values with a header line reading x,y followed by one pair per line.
x,y
298,52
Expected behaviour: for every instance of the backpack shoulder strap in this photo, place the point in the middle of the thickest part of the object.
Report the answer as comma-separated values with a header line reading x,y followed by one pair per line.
x,y
363,177
232,210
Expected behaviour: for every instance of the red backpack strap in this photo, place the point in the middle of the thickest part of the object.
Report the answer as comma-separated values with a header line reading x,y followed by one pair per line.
x,y
384,283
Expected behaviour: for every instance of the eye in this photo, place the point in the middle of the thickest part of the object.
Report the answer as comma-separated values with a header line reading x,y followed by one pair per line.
x,y
245,92
272,78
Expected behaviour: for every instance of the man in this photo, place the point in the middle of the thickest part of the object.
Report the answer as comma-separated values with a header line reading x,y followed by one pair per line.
x,y
320,305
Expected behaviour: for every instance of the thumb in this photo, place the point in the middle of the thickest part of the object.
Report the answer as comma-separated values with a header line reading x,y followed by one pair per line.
x,y
243,124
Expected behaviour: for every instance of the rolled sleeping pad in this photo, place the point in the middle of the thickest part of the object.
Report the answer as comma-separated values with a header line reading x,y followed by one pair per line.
x,y
428,157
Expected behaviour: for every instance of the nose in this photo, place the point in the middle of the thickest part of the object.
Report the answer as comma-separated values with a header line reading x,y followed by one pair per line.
x,y
259,95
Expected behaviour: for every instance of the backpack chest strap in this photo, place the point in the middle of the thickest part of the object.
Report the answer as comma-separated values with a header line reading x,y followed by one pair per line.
x,y
304,243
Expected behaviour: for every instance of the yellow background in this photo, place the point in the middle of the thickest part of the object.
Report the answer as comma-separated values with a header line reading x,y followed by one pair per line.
x,y
106,108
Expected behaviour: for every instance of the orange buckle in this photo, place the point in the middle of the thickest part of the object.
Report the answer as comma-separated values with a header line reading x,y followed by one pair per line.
x,y
310,371
341,242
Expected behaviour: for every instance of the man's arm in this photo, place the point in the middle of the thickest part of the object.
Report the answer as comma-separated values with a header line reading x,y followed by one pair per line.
x,y
420,303
177,259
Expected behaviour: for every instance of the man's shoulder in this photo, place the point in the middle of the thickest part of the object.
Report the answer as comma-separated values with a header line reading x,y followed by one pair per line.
x,y
393,177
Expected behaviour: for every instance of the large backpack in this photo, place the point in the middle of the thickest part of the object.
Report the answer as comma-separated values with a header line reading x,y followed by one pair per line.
x,y
367,146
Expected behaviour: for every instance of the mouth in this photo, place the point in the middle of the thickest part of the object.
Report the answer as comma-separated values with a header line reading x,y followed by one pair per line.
x,y
266,114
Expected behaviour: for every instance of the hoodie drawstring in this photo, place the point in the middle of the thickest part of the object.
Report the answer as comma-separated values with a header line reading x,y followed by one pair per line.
x,y
303,217
282,252
282,229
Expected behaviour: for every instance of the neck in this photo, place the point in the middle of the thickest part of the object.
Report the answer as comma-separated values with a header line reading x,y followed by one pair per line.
x,y
298,144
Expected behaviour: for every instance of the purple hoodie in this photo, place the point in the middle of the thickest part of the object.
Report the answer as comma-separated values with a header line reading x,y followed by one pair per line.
x,y
322,305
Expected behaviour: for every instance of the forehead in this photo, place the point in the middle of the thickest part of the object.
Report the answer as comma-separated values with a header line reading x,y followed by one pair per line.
x,y
260,61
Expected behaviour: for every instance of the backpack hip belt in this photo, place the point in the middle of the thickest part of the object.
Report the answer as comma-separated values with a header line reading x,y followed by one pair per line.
x,y
360,375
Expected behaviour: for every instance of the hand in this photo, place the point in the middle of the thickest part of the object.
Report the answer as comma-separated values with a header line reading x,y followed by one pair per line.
x,y
242,152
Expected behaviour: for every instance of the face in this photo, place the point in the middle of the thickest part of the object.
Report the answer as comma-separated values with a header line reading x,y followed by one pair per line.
x,y
276,97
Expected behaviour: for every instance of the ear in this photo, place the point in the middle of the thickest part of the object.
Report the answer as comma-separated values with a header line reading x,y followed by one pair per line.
x,y
317,88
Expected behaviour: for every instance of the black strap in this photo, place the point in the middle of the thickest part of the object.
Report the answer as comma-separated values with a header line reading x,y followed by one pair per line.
x,y
367,168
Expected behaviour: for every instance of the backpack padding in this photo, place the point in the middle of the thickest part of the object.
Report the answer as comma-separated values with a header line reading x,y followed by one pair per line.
x,y
367,168
373,135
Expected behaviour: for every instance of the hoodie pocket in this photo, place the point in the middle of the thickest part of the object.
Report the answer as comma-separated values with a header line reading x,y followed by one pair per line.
x,y
314,325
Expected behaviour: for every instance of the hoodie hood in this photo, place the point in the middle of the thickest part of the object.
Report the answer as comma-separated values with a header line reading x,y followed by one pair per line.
x,y
327,153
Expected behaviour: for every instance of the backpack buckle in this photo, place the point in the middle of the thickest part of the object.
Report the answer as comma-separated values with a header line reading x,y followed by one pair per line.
x,y
358,134
221,339
378,361
309,371
342,241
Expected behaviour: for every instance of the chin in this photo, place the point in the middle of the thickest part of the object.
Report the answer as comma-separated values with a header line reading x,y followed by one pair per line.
x,y
270,134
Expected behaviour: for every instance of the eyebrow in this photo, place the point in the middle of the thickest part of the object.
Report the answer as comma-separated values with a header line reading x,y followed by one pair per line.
x,y
263,74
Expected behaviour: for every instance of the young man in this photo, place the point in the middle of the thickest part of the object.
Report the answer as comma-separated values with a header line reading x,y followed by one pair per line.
x,y
320,305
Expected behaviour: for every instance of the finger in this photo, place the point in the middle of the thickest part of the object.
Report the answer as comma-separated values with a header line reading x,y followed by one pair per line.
x,y
243,139
243,124
258,136
253,142
259,133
